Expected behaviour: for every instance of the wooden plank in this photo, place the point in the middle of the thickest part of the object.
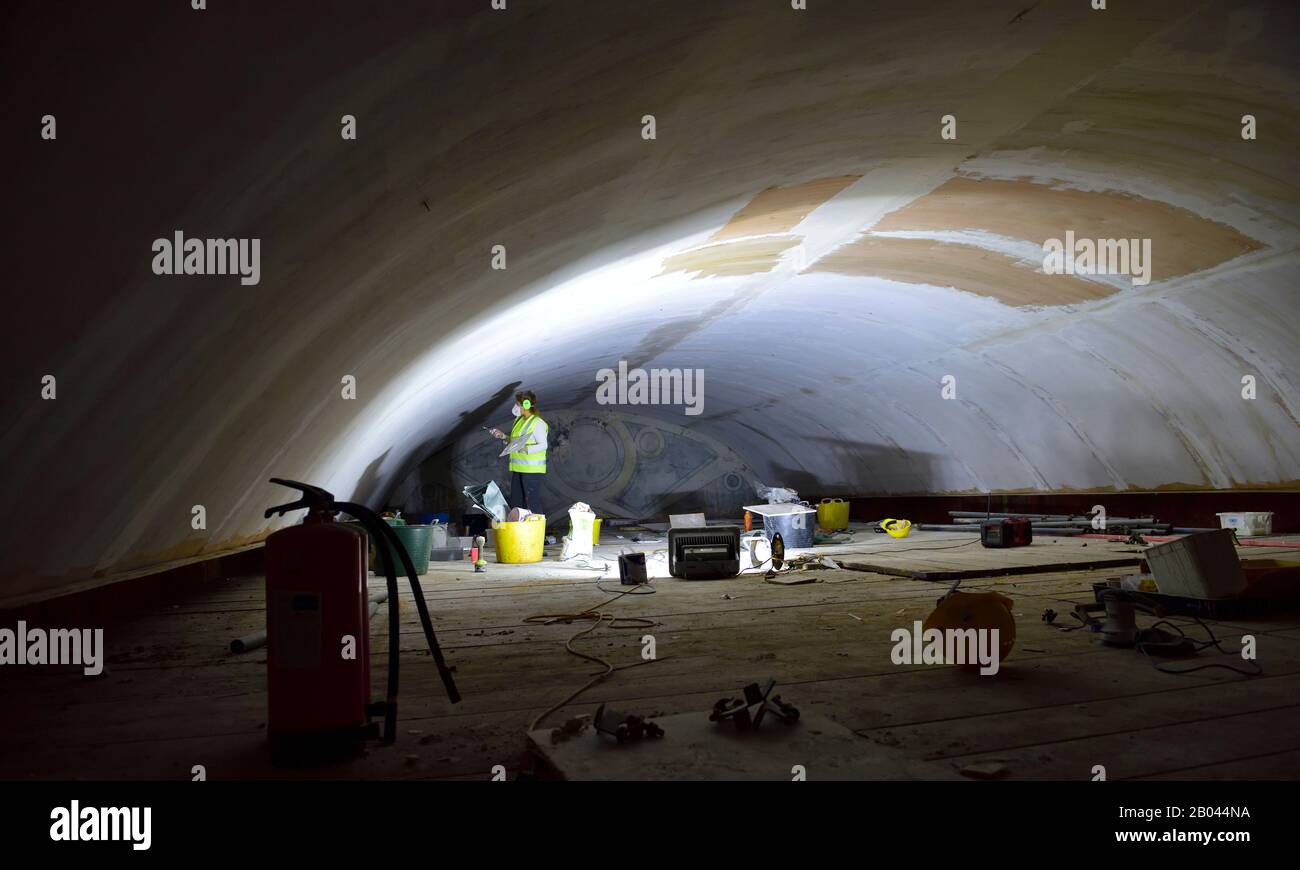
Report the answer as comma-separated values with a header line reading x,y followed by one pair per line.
x,y
1145,752
1265,766
853,652
948,575
1022,729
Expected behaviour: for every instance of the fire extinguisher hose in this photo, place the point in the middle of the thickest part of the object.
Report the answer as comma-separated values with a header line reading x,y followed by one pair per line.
x,y
376,525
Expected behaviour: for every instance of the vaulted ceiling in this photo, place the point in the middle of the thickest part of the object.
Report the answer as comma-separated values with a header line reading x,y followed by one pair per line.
x,y
798,229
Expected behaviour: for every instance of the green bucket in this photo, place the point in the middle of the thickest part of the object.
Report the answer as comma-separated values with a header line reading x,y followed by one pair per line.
x,y
417,540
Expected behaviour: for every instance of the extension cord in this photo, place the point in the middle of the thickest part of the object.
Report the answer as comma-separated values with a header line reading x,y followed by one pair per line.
x,y
1163,643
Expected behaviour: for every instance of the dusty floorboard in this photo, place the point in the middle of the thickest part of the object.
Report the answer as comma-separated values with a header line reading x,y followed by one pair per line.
x,y
174,696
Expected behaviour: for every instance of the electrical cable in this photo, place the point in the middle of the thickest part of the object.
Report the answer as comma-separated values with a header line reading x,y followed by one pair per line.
x,y
582,563
838,557
639,589
1146,647
597,618
905,549
1184,642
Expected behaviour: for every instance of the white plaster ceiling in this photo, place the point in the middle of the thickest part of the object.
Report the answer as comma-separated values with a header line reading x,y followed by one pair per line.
x,y
523,129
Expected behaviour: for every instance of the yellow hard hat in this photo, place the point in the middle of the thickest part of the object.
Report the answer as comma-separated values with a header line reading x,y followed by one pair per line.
x,y
896,528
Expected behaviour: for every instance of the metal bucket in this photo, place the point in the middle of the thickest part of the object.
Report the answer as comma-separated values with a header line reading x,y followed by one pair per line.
x,y
796,528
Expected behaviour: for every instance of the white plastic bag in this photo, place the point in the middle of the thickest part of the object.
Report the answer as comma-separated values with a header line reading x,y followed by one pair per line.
x,y
581,524
776,494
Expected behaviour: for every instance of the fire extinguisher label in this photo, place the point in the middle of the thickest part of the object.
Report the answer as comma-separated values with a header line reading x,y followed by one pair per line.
x,y
298,643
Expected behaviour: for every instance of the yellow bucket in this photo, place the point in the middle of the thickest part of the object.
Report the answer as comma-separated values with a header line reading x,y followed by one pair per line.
x,y
520,542
833,513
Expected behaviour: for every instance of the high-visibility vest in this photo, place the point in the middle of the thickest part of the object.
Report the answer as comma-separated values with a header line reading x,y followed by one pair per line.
x,y
521,460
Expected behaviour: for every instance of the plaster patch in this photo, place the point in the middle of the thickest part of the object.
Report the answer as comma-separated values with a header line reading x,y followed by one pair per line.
x,y
964,267
1181,242
744,257
781,209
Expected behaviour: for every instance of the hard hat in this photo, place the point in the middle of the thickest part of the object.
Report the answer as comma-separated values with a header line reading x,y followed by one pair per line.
x,y
896,528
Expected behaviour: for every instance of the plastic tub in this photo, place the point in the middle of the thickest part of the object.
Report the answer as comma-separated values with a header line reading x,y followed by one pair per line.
x,y
1247,523
833,513
521,542
1203,565
417,540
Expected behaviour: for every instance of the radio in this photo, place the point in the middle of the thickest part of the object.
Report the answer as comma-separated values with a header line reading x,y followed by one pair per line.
x,y
1013,532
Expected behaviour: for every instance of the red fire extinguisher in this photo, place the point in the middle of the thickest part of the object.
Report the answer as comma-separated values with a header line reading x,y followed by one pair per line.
x,y
318,639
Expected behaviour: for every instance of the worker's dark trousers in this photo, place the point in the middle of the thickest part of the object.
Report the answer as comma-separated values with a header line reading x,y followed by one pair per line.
x,y
526,490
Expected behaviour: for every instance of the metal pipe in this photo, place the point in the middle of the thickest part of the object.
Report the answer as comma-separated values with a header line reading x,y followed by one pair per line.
x,y
1073,524
1040,530
979,515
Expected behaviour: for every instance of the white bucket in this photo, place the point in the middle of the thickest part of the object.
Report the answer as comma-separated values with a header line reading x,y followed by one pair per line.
x,y
1248,523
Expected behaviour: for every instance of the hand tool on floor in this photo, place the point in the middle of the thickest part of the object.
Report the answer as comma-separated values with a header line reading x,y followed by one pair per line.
x,y
624,727
750,711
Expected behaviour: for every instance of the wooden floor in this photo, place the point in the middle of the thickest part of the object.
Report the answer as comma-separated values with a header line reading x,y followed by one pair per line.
x,y
174,696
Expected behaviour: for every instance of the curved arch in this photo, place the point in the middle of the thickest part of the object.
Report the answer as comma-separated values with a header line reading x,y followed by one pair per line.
x,y
797,230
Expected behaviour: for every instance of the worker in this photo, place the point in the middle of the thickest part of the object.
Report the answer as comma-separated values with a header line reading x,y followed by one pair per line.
x,y
528,463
